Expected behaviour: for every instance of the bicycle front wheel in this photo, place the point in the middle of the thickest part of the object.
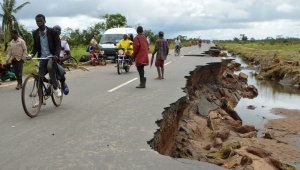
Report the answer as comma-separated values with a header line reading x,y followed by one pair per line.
x,y
32,97
57,99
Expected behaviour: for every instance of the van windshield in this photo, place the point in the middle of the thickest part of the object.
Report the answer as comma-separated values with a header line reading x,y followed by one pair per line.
x,y
111,38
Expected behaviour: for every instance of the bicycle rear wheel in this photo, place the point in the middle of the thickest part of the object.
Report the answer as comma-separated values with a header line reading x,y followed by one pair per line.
x,y
55,99
175,53
32,97
72,61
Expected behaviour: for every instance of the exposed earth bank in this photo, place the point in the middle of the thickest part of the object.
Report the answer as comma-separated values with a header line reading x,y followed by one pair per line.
x,y
270,64
203,125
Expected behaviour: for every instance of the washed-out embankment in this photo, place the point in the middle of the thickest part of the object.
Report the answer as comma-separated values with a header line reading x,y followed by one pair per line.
x,y
204,126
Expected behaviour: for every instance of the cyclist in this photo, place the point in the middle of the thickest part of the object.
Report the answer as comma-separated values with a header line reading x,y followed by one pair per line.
x,y
65,49
127,45
46,42
177,44
199,42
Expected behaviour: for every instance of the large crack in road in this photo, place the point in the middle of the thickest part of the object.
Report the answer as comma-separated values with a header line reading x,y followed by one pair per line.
x,y
204,126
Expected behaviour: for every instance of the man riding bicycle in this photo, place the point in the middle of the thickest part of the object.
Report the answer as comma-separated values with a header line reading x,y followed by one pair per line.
x,y
127,45
46,42
177,44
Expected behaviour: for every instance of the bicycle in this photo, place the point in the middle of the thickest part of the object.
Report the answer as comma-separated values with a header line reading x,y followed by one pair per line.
x,y
36,89
177,51
123,61
72,61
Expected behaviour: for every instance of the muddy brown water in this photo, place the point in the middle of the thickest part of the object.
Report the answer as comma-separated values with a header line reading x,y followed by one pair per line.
x,y
270,95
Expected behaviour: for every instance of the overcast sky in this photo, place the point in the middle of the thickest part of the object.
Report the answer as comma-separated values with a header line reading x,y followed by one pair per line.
x,y
209,19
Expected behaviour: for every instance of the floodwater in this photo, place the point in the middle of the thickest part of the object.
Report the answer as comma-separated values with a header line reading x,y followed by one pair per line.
x,y
270,95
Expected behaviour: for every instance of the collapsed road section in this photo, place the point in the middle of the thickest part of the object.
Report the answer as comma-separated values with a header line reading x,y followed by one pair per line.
x,y
204,126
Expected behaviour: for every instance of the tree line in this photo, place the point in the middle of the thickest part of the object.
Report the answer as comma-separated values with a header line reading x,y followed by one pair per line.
x,y
76,37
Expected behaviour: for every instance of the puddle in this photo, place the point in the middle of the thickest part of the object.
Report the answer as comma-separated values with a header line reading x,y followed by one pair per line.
x,y
270,95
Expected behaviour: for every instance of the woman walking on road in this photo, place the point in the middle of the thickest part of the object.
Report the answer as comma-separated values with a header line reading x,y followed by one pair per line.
x,y
140,54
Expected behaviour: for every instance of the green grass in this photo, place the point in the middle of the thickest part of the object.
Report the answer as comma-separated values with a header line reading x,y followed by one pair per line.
x,y
269,53
29,67
79,51
288,51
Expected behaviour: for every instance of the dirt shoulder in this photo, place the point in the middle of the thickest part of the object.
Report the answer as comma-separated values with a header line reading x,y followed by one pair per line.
x,y
285,130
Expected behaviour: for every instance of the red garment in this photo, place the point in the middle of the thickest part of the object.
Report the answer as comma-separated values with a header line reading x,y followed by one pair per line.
x,y
160,63
140,50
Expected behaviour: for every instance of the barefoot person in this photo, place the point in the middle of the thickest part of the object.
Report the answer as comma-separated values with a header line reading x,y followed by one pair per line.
x,y
162,50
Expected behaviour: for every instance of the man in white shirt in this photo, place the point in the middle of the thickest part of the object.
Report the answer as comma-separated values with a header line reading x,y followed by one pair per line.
x,y
16,55
65,48
177,43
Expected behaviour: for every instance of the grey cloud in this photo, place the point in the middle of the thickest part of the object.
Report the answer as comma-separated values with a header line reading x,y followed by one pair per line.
x,y
172,15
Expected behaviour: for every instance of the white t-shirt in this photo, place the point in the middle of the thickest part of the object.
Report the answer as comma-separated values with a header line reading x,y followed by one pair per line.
x,y
64,47
177,42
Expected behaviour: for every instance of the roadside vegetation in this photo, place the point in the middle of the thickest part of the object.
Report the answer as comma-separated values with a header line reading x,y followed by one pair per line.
x,y
276,59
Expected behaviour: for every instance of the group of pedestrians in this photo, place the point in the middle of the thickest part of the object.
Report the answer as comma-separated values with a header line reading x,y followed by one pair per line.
x,y
140,53
46,42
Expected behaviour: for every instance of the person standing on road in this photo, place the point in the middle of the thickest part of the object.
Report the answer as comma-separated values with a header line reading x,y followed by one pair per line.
x,y
46,42
140,54
17,53
162,50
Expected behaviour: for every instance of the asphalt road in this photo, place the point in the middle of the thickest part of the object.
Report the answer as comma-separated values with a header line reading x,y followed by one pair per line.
x,y
104,123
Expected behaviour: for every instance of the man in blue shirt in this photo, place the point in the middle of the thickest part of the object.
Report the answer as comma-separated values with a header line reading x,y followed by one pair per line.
x,y
46,42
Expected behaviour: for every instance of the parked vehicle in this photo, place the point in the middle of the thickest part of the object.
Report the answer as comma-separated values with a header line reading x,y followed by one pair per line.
x,y
110,39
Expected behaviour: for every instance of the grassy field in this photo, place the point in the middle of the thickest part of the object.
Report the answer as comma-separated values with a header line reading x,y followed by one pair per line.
x,y
289,51
276,59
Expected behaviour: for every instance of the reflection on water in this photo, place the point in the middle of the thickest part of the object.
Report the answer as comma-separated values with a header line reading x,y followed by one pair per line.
x,y
270,95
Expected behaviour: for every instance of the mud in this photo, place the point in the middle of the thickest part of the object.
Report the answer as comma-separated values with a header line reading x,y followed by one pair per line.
x,y
287,129
204,126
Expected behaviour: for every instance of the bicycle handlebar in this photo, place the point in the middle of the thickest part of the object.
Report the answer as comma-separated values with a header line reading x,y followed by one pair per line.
x,y
41,58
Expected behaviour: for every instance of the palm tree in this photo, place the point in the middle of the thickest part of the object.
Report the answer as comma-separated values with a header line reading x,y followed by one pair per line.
x,y
9,21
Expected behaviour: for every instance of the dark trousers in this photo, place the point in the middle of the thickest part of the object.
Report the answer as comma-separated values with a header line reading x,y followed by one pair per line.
x,y
18,69
49,66
61,73
140,69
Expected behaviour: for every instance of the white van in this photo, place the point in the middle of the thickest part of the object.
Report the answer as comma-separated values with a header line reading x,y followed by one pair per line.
x,y
111,37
